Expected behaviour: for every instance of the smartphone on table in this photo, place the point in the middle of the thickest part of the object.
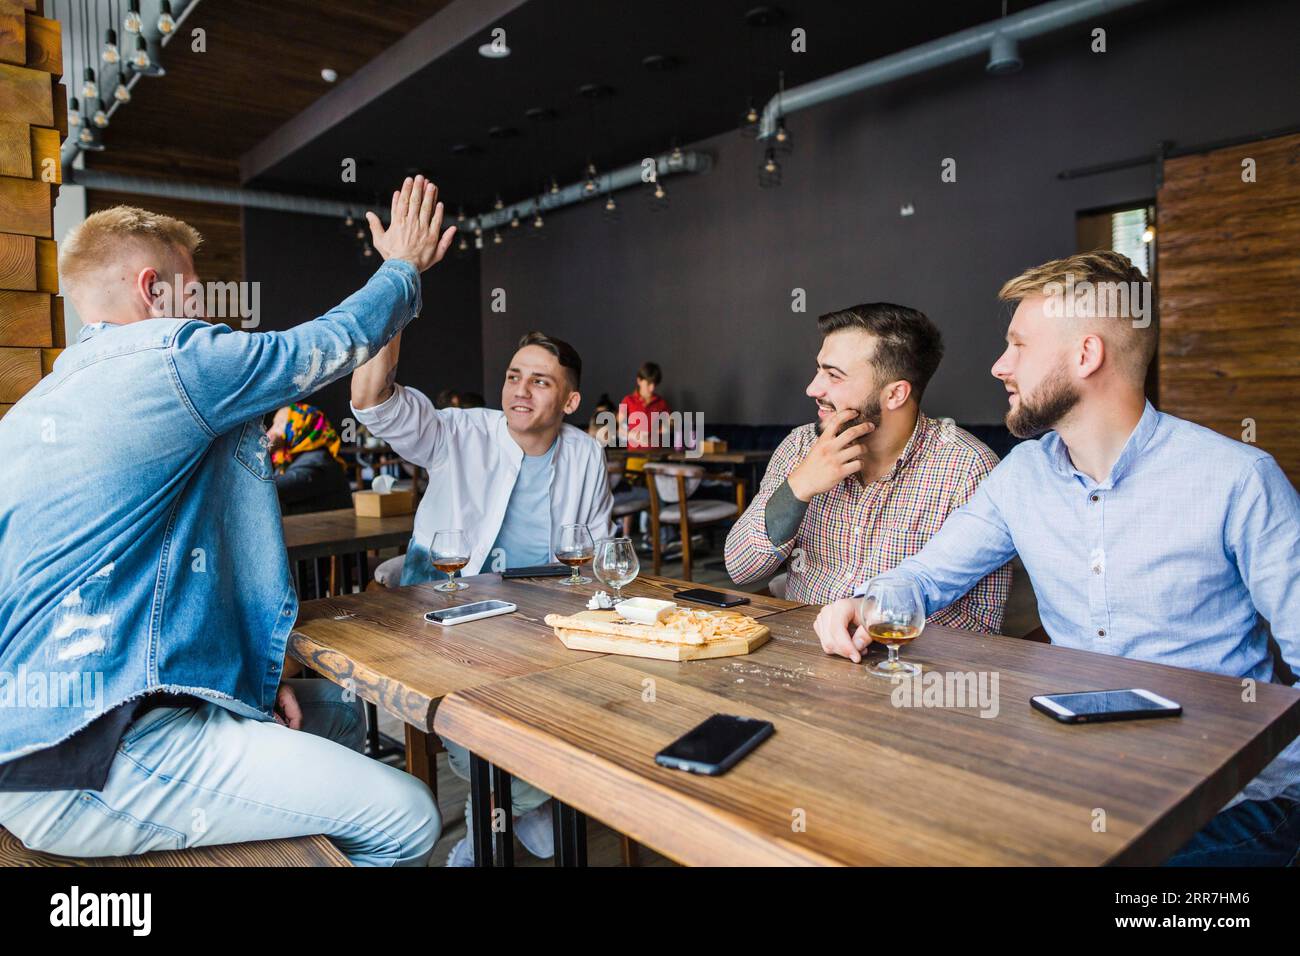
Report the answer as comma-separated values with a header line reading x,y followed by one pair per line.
x,y
462,613
715,598
1134,703
715,746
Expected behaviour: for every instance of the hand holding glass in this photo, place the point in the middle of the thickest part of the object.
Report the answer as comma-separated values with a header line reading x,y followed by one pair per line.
x,y
893,612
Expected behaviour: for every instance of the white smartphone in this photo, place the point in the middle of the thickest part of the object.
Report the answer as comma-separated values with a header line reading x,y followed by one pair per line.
x,y
469,612
1133,703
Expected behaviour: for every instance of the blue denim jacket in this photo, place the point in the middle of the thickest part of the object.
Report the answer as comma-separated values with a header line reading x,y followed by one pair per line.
x,y
140,539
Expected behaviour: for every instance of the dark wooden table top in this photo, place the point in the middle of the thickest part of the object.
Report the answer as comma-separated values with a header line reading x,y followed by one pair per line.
x,y
380,643
320,534
851,778
738,457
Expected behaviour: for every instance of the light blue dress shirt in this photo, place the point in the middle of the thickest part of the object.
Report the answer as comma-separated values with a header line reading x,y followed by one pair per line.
x,y
525,536
1180,556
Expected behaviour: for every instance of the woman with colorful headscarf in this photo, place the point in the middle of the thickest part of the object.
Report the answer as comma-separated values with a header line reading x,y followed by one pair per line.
x,y
309,474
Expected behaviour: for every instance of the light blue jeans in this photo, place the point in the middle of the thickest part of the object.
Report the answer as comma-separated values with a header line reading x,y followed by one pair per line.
x,y
201,776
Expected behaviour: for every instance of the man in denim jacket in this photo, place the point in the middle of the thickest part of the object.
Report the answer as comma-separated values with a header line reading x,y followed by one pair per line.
x,y
145,596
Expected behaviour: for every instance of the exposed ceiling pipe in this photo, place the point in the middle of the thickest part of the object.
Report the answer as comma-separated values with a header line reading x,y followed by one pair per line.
x,y
691,161
997,39
221,195
155,40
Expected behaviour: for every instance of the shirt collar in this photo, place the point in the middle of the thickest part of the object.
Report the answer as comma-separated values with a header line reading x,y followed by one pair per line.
x,y
87,331
1059,455
912,448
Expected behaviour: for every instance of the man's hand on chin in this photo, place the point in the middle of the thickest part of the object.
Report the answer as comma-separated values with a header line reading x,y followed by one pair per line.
x,y
287,711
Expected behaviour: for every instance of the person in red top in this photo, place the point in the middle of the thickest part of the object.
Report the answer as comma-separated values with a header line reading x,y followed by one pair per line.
x,y
637,411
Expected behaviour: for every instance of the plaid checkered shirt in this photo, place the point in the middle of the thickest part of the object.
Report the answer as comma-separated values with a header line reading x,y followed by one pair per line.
x,y
852,533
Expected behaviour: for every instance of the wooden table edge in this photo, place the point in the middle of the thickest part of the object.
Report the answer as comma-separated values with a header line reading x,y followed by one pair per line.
x,y
451,723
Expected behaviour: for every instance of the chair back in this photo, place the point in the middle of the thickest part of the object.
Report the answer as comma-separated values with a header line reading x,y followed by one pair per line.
x,y
665,478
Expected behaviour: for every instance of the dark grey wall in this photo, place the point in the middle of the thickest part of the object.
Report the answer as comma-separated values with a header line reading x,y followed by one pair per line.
x,y
705,288
308,264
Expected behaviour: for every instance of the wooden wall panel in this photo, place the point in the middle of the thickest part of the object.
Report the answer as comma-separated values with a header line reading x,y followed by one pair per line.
x,y
30,100
1229,285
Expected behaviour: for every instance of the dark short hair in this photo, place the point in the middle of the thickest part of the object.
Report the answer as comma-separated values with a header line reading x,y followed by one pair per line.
x,y
649,372
908,345
566,354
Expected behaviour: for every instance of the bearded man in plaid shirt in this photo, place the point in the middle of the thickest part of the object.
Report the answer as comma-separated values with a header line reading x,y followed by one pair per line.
x,y
852,495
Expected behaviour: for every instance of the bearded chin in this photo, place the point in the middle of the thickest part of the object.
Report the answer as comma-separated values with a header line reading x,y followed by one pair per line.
x,y
1039,415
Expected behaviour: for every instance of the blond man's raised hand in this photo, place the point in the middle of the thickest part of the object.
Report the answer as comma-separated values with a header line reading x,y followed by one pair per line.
x,y
414,232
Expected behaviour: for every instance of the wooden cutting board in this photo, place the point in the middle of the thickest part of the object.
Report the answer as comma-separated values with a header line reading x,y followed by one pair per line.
x,y
630,646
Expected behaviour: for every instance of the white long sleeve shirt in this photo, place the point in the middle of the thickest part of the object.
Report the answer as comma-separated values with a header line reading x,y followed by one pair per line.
x,y
473,463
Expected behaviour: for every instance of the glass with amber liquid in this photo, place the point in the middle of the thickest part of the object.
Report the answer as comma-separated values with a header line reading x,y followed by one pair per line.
x,y
574,547
893,612
450,553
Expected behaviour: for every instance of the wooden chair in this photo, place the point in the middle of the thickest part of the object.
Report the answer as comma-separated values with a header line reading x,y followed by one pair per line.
x,y
671,486
623,510
298,851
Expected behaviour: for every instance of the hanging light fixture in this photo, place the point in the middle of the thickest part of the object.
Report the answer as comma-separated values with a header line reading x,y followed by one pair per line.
x,y
610,211
496,237
140,59
110,53
100,117
769,171
658,197
781,139
749,123
89,88
756,19
514,221
589,186
166,24
121,92
132,22
90,140
498,205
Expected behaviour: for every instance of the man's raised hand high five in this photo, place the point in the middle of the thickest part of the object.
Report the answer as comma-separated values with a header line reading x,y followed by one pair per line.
x,y
414,232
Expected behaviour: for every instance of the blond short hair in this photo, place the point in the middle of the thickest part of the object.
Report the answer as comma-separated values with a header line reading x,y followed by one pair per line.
x,y
1134,342
94,243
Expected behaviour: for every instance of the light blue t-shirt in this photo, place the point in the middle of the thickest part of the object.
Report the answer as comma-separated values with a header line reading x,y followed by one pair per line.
x,y
525,536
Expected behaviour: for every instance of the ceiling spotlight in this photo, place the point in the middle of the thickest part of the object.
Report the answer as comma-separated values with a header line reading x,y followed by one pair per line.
x,y
132,21
329,75
110,54
166,24
1004,56
769,172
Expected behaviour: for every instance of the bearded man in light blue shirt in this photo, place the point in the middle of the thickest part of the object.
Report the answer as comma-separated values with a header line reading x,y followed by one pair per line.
x,y
1144,535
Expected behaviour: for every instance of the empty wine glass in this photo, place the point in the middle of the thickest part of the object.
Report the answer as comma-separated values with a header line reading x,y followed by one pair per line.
x,y
616,564
893,612
574,547
450,553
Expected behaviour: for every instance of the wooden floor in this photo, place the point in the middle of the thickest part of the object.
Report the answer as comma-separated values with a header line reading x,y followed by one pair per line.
x,y
603,846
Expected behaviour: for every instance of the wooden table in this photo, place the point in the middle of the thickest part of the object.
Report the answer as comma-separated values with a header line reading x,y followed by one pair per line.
x,y
322,534
379,645
849,778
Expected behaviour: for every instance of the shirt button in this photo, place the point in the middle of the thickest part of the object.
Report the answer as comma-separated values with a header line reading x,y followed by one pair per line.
x,y
1094,497
1101,632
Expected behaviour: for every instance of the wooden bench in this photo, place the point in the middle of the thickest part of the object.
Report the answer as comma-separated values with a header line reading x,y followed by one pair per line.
x,y
299,851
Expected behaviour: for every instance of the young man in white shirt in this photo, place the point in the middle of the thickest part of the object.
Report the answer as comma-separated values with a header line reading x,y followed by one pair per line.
x,y
509,478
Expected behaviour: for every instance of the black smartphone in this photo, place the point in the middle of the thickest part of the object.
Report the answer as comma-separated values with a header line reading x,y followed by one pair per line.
x,y
716,745
1092,706
537,571
705,596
